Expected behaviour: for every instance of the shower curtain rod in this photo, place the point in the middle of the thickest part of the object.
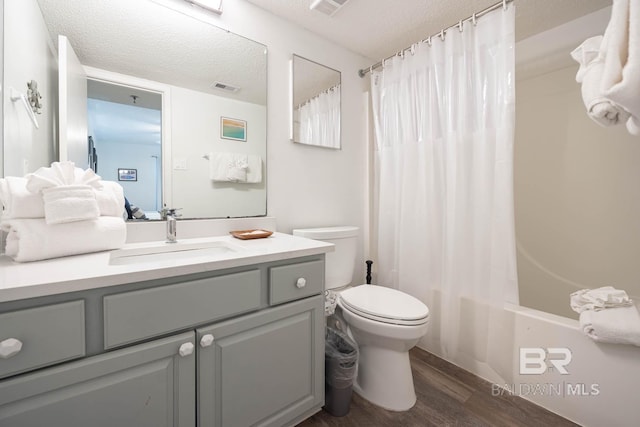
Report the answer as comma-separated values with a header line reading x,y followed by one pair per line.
x,y
363,72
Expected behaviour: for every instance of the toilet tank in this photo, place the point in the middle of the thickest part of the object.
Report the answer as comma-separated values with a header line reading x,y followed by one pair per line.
x,y
339,264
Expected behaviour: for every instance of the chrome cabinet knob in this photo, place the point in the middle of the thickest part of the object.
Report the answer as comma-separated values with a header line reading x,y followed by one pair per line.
x,y
301,283
186,349
10,347
206,340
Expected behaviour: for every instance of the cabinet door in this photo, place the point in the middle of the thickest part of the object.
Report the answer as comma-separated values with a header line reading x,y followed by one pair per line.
x,y
262,369
148,385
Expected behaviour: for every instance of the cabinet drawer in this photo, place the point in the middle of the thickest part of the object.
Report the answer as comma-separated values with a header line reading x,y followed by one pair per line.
x,y
137,315
49,335
295,281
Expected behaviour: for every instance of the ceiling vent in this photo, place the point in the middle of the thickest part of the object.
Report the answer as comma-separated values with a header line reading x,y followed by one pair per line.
x,y
225,87
328,7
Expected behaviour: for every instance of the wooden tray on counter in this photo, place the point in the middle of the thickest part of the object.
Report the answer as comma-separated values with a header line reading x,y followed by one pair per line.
x,y
255,233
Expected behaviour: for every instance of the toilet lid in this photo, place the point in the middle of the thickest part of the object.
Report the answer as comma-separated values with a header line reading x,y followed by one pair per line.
x,y
384,304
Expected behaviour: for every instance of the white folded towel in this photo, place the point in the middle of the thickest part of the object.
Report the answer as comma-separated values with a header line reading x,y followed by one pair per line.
x,y
614,325
61,173
254,171
601,109
621,52
238,166
69,203
33,239
599,299
17,201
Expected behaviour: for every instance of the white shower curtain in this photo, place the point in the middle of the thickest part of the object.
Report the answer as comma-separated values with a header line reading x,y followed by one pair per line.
x,y
320,119
444,125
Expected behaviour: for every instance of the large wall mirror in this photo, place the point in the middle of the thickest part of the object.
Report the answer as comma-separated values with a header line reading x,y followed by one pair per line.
x,y
176,101
315,117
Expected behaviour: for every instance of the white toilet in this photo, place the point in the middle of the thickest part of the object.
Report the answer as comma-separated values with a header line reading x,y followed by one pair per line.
x,y
385,322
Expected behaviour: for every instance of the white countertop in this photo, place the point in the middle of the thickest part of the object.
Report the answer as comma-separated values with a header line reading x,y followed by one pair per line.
x,y
96,270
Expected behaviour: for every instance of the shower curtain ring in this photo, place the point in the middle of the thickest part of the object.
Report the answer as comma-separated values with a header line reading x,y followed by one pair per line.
x,y
460,25
473,19
504,4
429,41
442,35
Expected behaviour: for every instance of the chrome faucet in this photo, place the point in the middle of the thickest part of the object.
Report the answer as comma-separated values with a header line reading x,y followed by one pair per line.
x,y
171,225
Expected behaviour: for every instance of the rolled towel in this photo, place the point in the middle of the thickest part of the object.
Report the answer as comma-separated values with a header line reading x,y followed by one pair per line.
x,y
599,299
110,199
69,203
600,109
619,325
33,239
17,201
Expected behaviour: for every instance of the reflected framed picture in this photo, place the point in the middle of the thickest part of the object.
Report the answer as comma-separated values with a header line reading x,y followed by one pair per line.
x,y
127,174
233,129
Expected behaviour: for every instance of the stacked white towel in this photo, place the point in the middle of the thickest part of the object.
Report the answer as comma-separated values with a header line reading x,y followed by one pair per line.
x,y
610,69
235,167
607,315
599,299
34,239
60,211
619,325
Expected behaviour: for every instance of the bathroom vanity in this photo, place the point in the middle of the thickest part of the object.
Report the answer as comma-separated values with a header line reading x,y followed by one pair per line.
x,y
219,338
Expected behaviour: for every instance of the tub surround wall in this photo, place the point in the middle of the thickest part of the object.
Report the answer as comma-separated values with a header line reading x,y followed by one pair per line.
x,y
576,205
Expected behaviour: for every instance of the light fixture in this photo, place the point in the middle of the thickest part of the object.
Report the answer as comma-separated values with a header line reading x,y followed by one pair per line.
x,y
214,6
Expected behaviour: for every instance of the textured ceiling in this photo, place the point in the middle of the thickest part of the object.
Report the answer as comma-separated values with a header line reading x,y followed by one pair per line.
x,y
379,28
144,38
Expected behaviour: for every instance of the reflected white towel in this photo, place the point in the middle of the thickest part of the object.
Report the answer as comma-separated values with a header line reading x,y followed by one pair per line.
x,y
614,325
621,52
234,167
69,203
254,172
601,109
33,239
599,299
17,201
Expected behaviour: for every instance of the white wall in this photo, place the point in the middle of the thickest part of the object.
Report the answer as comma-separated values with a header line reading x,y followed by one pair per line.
x,y
195,132
28,55
308,186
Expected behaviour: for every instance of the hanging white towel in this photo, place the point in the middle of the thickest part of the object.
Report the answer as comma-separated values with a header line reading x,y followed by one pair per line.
x,y
621,52
613,325
33,239
17,201
601,109
254,171
599,299
234,167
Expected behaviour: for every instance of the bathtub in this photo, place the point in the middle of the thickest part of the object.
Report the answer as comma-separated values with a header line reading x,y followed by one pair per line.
x,y
599,388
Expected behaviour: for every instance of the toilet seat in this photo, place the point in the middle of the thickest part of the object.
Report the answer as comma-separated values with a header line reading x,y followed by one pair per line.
x,y
384,305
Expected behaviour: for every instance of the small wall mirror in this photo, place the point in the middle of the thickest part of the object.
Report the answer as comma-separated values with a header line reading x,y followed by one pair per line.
x,y
315,109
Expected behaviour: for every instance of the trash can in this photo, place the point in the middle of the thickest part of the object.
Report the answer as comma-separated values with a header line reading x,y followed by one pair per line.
x,y
340,364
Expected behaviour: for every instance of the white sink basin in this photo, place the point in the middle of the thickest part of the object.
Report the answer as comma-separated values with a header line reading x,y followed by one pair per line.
x,y
162,251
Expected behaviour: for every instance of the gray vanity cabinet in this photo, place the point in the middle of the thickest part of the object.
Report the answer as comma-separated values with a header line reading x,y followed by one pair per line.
x,y
237,347
262,369
147,385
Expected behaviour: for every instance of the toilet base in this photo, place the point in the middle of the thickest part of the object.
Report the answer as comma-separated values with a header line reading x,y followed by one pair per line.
x,y
385,379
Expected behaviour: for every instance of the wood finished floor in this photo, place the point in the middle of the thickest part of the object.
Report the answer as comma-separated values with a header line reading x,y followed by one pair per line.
x,y
447,396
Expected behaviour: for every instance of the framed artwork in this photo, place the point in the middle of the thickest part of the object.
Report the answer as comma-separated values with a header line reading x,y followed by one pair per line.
x,y
233,129
127,174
